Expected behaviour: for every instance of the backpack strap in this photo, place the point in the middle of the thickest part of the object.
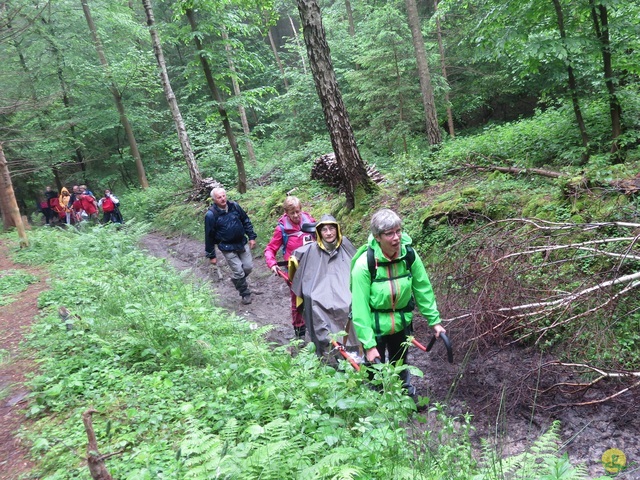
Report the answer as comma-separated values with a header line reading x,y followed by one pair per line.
x,y
285,239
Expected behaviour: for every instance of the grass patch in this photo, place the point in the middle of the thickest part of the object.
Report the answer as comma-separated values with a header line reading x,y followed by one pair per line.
x,y
13,282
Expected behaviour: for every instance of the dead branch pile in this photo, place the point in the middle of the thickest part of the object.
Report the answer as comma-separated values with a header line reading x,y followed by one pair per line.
x,y
545,283
326,169
201,192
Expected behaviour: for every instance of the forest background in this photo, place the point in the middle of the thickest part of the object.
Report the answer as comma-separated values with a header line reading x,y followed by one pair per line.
x,y
508,141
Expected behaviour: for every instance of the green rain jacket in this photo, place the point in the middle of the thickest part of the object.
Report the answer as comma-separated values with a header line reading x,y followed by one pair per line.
x,y
383,307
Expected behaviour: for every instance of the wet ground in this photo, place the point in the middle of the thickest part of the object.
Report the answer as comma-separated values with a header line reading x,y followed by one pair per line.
x,y
506,389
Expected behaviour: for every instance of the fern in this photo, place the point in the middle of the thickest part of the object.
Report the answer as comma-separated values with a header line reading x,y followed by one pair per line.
x,y
539,462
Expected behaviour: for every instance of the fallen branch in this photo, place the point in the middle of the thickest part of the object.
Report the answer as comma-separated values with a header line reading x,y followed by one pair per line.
x,y
516,170
603,374
95,460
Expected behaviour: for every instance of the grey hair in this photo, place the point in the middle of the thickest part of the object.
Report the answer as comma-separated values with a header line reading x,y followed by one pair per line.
x,y
217,190
384,220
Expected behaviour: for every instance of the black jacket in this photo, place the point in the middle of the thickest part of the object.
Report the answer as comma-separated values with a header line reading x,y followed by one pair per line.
x,y
229,230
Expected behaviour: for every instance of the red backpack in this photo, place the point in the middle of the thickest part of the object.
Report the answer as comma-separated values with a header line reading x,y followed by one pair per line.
x,y
108,205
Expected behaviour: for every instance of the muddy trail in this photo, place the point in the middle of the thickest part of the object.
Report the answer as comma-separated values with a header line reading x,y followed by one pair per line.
x,y
508,390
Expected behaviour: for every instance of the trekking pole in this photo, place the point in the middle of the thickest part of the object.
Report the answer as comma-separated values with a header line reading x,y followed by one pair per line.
x,y
346,355
445,340
284,276
219,272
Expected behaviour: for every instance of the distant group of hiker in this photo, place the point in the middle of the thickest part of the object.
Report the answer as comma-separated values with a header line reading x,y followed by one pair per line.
x,y
369,293
71,208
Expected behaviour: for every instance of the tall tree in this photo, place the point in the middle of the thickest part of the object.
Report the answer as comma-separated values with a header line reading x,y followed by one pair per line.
x,y
274,49
600,18
183,136
428,100
573,86
117,97
443,67
294,31
10,211
237,93
215,94
352,25
354,172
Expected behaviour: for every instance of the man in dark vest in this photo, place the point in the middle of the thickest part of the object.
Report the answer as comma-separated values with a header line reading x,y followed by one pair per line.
x,y
228,226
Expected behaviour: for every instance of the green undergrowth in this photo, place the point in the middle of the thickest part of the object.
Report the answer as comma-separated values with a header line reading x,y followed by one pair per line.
x,y
183,389
12,282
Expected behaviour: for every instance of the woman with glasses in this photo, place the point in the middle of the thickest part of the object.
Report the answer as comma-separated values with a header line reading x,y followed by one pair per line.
x,y
388,280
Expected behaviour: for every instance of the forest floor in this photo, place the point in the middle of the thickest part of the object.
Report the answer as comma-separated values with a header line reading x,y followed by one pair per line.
x,y
15,320
500,386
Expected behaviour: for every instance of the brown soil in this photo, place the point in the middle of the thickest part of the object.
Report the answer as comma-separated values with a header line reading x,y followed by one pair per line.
x,y
497,385
15,319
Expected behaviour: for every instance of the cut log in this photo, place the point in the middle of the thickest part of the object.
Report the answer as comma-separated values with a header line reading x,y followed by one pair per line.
x,y
326,169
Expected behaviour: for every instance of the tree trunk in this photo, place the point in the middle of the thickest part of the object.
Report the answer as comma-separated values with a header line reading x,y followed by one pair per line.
x,y
443,67
572,84
428,100
601,25
278,61
236,92
65,91
295,36
352,25
353,169
10,211
185,143
117,97
215,94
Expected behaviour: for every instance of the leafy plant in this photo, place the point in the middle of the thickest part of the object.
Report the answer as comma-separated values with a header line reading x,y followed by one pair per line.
x,y
12,282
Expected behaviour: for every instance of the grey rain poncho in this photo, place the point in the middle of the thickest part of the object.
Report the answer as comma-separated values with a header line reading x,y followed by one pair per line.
x,y
321,282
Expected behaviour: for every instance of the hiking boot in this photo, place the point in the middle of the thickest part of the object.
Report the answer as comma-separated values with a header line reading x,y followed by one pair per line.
x,y
300,332
406,383
246,300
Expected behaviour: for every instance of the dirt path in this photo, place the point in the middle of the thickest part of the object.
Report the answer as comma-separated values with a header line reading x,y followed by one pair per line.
x,y
15,319
496,385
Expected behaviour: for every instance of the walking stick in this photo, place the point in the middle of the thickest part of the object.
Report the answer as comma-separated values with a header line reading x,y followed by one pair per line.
x,y
219,272
345,355
445,340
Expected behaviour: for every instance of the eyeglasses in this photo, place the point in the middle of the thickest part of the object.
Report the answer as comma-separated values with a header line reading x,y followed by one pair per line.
x,y
391,234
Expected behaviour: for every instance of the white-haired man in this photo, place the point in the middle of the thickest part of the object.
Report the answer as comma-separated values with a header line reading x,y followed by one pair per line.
x,y
228,226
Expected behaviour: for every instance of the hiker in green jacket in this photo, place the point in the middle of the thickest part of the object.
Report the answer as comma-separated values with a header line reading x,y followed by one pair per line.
x,y
388,280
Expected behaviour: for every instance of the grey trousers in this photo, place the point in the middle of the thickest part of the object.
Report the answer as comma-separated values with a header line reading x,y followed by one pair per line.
x,y
240,263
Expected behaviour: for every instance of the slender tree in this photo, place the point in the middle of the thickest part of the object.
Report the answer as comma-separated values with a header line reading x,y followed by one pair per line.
x,y
183,136
573,88
428,100
294,31
237,93
352,25
443,68
354,172
10,211
600,18
66,101
274,49
117,97
215,94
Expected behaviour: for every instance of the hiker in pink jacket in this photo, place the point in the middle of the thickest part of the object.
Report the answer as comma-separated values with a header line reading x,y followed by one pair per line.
x,y
288,236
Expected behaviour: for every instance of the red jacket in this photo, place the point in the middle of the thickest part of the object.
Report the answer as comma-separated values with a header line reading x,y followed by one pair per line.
x,y
293,234
86,203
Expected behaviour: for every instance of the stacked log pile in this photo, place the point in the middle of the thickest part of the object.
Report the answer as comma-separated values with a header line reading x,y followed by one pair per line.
x,y
326,169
